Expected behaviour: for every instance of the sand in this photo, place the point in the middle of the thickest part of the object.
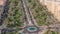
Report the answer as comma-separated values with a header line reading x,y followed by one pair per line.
x,y
2,2
53,7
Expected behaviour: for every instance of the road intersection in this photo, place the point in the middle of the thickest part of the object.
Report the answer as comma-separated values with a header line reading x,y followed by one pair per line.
x,y
29,21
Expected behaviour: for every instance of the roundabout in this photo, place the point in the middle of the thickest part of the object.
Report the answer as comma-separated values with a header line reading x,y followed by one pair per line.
x,y
32,29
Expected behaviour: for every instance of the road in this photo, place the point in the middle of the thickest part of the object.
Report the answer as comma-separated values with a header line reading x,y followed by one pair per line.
x,y
4,12
26,13
28,17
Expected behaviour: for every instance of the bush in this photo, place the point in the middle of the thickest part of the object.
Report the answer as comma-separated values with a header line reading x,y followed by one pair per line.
x,y
15,14
39,11
10,18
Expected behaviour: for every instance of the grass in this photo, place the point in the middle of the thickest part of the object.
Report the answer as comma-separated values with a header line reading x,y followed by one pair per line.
x,y
51,32
40,12
15,14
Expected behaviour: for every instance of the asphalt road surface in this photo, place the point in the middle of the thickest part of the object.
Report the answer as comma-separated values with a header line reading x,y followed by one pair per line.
x,y
4,12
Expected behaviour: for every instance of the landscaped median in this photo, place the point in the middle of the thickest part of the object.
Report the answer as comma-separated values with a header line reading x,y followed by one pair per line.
x,y
40,12
15,14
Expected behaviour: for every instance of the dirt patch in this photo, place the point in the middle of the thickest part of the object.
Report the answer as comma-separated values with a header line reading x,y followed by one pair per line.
x,y
53,7
2,2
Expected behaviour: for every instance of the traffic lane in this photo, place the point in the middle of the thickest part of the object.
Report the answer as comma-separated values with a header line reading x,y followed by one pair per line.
x,y
27,10
4,12
24,11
